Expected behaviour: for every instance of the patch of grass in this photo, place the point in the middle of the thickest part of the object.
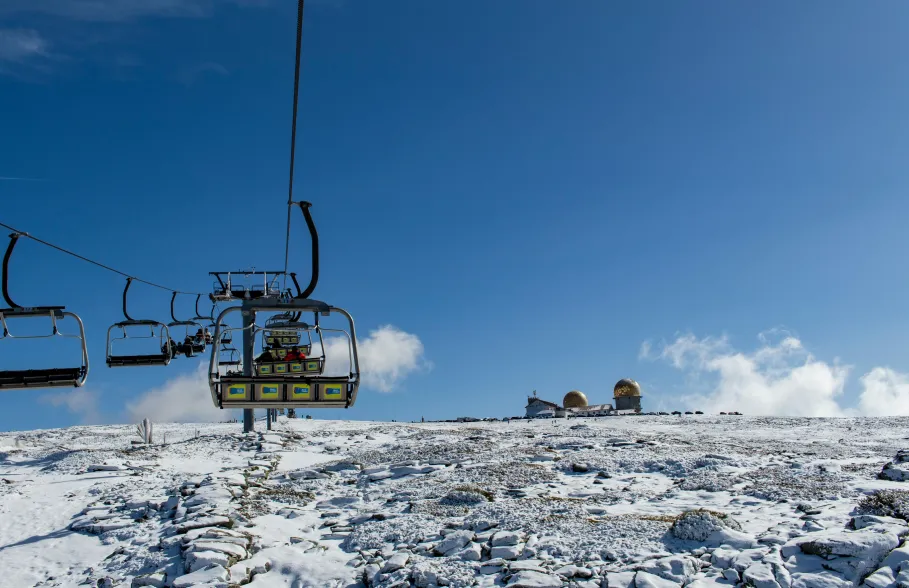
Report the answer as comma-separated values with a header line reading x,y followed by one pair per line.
x,y
886,503
489,496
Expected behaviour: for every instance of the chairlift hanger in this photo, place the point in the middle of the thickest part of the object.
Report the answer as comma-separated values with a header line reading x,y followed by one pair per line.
x,y
39,378
166,351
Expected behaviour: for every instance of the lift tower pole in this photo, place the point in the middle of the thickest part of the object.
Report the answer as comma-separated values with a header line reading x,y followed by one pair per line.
x,y
249,342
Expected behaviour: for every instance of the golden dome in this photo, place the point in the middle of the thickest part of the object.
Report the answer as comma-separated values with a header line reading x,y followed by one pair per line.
x,y
627,387
575,399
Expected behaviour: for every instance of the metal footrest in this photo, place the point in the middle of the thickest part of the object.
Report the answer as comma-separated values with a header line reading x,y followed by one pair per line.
x,y
287,392
49,378
137,360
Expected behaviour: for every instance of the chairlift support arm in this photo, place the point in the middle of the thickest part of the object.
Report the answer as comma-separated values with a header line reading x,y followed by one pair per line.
x,y
314,236
13,239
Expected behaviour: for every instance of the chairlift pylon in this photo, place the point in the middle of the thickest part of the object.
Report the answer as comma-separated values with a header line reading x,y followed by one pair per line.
x,y
165,351
38,378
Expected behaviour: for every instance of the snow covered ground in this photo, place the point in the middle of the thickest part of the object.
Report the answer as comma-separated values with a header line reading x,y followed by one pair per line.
x,y
623,502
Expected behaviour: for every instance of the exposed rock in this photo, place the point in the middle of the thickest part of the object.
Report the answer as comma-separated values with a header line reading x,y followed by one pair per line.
x,y
342,466
896,472
210,575
203,559
573,571
882,578
424,575
202,522
530,579
648,580
897,558
676,568
396,562
151,580
822,579
453,542
371,574
760,575
863,521
620,579
723,558
866,544
473,552
506,551
745,559
306,475
505,538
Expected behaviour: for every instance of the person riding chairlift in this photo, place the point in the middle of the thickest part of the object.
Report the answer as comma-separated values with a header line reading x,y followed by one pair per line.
x,y
294,355
173,348
266,357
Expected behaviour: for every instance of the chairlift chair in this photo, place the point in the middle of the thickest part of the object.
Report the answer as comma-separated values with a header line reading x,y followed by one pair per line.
x,y
210,320
280,338
38,378
166,348
286,389
225,289
192,343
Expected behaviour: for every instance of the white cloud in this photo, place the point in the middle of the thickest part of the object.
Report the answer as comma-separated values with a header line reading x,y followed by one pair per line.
x,y
184,399
779,378
17,45
79,401
387,356
885,392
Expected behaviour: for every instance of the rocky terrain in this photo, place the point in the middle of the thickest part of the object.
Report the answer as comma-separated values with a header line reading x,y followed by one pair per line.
x,y
618,502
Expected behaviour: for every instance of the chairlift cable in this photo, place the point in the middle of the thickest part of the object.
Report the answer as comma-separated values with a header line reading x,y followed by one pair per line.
x,y
91,261
293,135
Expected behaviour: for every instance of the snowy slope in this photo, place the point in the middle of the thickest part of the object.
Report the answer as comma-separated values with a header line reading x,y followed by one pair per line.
x,y
794,503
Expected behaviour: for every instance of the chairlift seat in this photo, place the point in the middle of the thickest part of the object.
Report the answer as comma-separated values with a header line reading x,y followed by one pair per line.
x,y
137,360
46,378
33,311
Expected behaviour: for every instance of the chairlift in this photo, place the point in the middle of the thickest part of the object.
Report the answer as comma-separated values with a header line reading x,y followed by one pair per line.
x,y
278,384
192,343
283,387
282,352
38,378
283,331
210,320
157,330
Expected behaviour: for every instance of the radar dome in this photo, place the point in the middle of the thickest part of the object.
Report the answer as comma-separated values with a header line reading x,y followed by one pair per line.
x,y
627,387
575,399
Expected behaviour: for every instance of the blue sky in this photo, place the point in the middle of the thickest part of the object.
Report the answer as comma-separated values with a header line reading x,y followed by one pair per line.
x,y
547,195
